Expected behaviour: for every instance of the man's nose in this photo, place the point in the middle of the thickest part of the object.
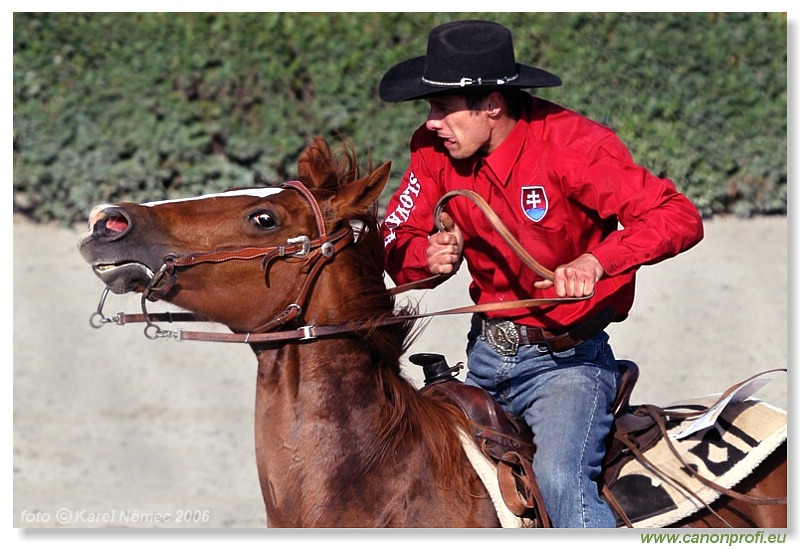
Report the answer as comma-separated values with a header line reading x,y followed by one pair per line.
x,y
434,122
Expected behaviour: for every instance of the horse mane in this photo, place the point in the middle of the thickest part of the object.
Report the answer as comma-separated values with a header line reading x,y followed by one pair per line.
x,y
375,307
409,416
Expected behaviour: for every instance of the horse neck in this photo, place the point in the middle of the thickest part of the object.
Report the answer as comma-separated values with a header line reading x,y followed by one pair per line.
x,y
343,296
320,403
317,410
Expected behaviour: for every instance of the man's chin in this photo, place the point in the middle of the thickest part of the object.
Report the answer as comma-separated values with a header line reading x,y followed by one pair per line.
x,y
456,153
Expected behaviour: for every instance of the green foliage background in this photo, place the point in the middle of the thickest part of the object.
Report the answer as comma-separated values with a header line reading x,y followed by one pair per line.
x,y
127,106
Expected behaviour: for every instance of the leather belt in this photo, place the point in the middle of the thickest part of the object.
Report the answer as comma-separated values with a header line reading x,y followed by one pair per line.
x,y
506,337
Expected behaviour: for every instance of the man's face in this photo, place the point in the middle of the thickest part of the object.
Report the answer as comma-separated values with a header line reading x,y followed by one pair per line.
x,y
463,131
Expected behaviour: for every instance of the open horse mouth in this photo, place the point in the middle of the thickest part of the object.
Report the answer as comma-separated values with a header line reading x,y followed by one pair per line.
x,y
124,277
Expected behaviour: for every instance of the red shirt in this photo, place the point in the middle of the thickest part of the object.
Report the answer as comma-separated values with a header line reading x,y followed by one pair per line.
x,y
563,185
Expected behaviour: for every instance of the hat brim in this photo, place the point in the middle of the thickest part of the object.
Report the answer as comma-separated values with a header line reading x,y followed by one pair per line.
x,y
403,82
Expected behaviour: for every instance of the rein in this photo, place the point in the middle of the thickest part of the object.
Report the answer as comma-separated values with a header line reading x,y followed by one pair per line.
x,y
323,248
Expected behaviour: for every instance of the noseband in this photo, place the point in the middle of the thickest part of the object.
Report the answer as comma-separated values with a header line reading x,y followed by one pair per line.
x,y
317,252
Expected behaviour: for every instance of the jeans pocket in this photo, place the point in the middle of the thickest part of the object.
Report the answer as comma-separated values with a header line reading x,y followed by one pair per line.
x,y
591,351
585,351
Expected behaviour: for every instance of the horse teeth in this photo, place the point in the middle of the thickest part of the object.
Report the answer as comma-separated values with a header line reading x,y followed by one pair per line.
x,y
105,268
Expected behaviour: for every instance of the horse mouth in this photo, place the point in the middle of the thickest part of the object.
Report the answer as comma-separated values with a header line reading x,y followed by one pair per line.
x,y
124,277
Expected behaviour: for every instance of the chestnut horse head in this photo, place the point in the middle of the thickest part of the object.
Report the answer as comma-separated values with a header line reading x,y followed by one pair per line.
x,y
342,438
241,257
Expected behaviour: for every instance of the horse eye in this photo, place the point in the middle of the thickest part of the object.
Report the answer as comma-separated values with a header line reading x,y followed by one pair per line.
x,y
263,220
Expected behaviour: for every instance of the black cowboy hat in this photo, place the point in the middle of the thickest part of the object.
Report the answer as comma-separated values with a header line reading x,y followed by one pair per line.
x,y
462,56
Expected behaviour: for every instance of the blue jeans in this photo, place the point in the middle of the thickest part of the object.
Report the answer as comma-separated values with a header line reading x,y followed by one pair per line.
x,y
566,398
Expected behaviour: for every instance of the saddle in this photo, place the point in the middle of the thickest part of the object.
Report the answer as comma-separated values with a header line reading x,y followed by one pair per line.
x,y
508,441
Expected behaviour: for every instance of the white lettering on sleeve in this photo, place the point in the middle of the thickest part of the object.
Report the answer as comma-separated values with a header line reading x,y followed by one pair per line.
x,y
400,214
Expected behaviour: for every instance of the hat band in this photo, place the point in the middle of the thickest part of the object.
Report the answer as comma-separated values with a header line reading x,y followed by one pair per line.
x,y
470,81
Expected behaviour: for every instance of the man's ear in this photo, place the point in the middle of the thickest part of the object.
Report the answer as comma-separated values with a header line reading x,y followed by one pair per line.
x,y
494,103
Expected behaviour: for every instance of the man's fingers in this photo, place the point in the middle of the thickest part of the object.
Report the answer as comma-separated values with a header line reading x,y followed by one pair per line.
x,y
443,239
447,221
565,286
576,279
444,247
443,269
571,283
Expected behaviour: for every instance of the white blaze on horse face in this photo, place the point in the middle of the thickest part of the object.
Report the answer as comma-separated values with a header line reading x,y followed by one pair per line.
x,y
260,192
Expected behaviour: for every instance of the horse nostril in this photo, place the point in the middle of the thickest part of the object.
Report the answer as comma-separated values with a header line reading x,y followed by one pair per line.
x,y
108,222
116,224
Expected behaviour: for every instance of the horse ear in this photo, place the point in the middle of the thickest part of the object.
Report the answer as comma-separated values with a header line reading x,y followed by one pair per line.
x,y
358,196
315,163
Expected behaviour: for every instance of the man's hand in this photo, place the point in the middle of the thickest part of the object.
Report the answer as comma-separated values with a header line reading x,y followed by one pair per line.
x,y
576,278
444,248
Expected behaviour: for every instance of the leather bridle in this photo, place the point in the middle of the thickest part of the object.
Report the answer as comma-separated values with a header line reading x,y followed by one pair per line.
x,y
317,252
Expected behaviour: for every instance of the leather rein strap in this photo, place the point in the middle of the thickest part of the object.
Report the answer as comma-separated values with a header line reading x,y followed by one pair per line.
x,y
323,247
497,224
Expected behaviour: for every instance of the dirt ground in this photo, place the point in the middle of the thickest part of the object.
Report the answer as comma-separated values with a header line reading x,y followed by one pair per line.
x,y
113,429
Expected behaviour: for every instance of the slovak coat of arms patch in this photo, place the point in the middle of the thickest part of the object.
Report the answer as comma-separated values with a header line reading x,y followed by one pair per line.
x,y
534,203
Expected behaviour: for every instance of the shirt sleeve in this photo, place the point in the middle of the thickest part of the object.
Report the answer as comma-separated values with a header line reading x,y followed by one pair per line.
x,y
409,220
657,222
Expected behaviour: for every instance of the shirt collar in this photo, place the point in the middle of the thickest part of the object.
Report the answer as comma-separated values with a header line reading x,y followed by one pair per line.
x,y
502,159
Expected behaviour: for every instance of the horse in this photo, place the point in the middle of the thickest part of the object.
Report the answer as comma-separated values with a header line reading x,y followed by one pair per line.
x,y
342,438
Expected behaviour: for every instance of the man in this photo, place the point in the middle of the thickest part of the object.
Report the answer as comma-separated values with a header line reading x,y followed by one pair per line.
x,y
569,191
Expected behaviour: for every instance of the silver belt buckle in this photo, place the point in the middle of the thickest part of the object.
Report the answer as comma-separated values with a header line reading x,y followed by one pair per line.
x,y
502,336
